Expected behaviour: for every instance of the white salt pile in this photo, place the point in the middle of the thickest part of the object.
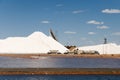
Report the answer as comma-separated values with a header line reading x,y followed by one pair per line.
x,y
37,42
110,48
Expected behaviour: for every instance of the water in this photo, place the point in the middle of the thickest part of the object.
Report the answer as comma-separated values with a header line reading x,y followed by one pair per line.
x,y
61,77
53,62
60,62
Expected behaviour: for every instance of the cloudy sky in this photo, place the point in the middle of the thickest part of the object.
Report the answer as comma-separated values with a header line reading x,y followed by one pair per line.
x,y
75,22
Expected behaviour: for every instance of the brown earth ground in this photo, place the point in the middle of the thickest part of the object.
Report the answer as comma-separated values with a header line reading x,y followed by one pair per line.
x,y
61,55
59,71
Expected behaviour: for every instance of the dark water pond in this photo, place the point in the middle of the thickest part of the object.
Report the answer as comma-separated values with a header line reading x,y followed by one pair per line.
x,y
60,62
61,77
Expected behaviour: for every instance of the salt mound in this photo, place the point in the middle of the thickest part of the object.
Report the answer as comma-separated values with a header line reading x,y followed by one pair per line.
x,y
110,48
37,42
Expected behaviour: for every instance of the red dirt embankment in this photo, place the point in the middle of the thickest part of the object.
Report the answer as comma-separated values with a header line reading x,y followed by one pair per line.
x,y
59,71
61,55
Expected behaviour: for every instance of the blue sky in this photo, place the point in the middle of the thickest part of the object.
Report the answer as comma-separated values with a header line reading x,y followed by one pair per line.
x,y
75,22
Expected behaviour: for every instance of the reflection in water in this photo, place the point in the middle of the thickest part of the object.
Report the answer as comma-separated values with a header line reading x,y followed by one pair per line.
x,y
59,62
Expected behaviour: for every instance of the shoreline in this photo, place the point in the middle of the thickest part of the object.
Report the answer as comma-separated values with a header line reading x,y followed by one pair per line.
x,y
59,71
32,56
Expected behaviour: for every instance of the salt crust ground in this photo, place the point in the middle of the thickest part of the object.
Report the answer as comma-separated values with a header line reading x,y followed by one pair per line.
x,y
37,42
110,48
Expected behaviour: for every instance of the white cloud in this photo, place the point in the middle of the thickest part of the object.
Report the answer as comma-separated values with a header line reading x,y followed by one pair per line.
x,y
110,11
91,33
94,22
59,5
69,32
102,27
116,33
77,11
45,22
